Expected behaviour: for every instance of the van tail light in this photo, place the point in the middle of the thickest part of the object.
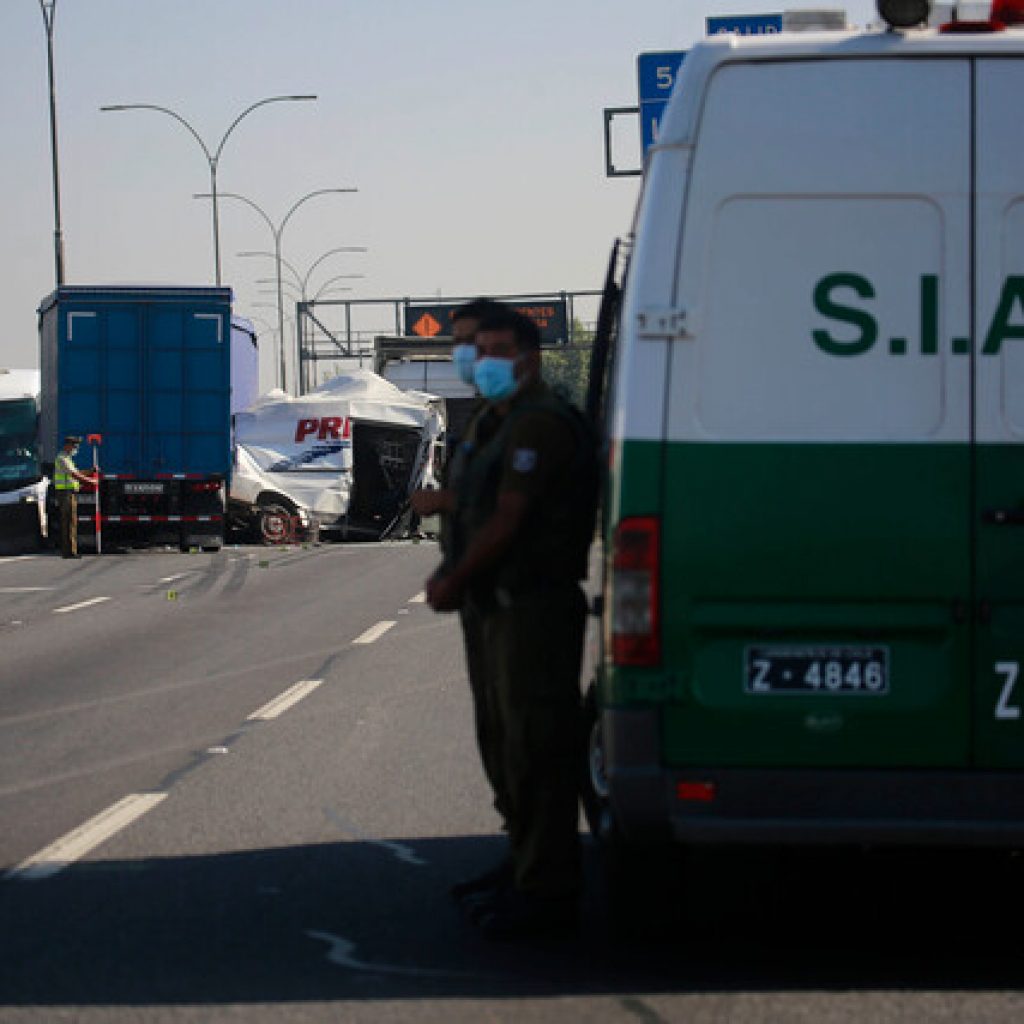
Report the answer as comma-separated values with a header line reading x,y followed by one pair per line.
x,y
204,486
1008,12
636,592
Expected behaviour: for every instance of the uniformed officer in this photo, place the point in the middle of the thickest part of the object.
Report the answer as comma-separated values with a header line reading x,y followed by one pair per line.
x,y
527,502
66,481
453,539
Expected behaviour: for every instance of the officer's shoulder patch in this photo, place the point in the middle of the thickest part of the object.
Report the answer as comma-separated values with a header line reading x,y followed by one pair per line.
x,y
524,460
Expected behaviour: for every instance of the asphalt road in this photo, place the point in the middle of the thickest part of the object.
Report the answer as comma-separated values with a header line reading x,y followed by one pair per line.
x,y
237,786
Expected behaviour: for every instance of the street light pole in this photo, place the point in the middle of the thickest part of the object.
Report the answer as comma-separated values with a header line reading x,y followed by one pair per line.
x,y
212,158
49,10
277,230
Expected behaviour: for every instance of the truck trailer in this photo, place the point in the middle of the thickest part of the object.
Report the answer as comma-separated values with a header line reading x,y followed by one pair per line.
x,y
143,376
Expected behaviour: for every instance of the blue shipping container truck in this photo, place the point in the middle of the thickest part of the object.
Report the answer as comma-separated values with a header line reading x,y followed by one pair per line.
x,y
149,371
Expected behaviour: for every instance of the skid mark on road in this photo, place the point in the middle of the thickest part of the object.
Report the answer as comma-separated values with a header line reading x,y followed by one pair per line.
x,y
341,952
399,851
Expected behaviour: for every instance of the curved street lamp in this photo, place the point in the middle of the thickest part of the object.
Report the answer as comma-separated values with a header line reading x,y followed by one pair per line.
x,y
302,280
277,230
305,296
212,158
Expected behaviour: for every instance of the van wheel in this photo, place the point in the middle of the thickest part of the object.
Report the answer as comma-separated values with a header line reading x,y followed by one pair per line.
x,y
594,781
273,524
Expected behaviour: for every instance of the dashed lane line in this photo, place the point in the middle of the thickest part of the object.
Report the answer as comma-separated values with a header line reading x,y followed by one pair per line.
x,y
420,598
24,590
81,604
283,701
76,844
374,633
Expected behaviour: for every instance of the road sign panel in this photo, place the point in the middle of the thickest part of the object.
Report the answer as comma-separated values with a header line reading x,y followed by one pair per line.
x,y
656,73
745,24
435,319
426,326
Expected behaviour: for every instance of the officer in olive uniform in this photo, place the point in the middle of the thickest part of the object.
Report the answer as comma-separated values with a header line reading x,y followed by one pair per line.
x,y
453,539
526,502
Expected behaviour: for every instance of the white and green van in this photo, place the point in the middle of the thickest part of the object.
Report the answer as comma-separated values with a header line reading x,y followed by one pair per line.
x,y
814,596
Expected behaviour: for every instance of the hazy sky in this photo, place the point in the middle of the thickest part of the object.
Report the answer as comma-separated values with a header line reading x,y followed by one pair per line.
x,y
472,129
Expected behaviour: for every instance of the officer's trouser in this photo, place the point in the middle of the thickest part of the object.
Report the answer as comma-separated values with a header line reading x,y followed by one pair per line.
x,y
484,718
534,648
68,503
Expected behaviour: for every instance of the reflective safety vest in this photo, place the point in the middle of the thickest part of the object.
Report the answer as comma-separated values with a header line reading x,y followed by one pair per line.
x,y
62,478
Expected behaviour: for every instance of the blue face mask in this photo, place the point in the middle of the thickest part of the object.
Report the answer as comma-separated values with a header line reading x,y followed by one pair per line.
x,y
495,378
464,356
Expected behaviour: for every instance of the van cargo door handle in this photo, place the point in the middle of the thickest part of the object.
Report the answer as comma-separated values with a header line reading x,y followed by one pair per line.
x,y
1003,516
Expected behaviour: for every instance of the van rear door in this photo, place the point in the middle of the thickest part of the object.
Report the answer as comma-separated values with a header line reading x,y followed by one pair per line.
x,y
817,562
999,418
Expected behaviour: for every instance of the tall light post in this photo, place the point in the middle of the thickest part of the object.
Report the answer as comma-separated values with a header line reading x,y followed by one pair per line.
x,y
212,157
49,10
277,230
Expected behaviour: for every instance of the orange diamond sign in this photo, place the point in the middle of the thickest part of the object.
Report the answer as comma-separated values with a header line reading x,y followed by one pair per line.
x,y
427,326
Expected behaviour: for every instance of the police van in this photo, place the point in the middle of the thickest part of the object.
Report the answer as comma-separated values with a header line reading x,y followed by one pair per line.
x,y
814,587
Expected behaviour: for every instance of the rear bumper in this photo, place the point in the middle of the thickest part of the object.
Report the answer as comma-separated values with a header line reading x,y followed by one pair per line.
x,y
804,805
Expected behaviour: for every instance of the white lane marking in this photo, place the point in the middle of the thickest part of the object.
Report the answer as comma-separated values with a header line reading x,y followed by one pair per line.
x,y
284,701
341,953
85,838
171,579
420,598
17,558
24,590
399,851
375,632
81,604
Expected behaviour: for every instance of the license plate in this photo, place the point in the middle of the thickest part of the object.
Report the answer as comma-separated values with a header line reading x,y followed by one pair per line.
x,y
141,487
824,670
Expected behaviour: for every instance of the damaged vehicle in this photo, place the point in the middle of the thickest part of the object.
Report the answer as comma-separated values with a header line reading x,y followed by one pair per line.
x,y
339,462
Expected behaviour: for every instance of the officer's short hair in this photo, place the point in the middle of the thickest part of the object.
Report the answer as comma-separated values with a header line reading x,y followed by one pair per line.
x,y
526,331
72,439
477,309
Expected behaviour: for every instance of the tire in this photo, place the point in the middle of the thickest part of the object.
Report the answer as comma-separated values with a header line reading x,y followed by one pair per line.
x,y
273,524
641,883
594,793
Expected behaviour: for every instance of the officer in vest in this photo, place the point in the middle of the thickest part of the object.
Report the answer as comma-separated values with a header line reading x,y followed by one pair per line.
x,y
465,322
526,506
66,481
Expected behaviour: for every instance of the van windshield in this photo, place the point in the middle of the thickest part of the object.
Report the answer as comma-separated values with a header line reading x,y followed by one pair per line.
x,y
18,456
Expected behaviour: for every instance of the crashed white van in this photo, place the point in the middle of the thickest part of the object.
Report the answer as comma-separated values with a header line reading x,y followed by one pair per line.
x,y
343,458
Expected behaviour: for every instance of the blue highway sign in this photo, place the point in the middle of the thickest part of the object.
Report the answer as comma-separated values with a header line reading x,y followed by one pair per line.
x,y
745,24
656,75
